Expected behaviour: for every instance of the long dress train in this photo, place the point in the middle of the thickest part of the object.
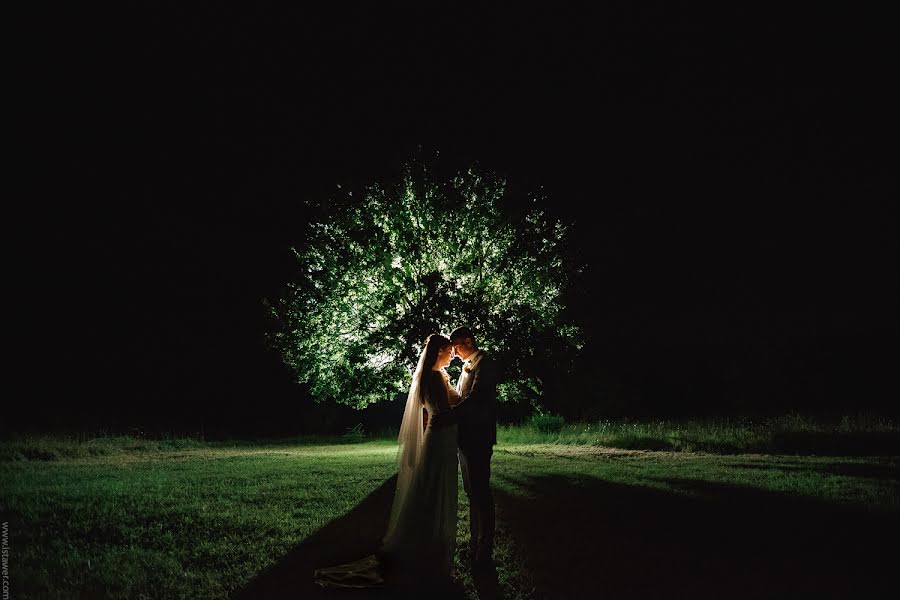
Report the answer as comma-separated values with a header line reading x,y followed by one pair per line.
x,y
421,538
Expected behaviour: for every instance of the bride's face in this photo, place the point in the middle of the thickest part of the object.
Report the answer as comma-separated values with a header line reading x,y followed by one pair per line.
x,y
444,357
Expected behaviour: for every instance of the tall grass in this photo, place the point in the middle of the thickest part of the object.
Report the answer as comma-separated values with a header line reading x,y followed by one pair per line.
x,y
51,447
789,434
859,434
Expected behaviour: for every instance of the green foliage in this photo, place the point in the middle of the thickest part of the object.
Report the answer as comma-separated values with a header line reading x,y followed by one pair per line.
x,y
382,269
547,422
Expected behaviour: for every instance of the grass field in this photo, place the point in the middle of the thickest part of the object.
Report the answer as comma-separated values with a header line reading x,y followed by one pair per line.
x,y
131,518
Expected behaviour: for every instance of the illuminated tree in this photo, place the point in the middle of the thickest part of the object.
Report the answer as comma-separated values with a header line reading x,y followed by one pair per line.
x,y
381,270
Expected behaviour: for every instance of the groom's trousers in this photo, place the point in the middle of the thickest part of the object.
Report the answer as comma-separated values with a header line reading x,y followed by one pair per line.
x,y
475,464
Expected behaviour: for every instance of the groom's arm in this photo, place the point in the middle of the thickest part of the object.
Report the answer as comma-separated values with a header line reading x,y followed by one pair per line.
x,y
484,379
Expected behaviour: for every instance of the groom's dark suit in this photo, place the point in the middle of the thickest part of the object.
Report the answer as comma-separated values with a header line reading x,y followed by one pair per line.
x,y
477,430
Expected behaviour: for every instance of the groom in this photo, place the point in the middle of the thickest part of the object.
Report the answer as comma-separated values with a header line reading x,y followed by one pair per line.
x,y
476,416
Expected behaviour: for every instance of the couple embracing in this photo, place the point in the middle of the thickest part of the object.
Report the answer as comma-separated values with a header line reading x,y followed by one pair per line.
x,y
443,425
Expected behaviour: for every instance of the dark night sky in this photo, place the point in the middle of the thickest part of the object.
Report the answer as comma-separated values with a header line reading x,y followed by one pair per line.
x,y
732,174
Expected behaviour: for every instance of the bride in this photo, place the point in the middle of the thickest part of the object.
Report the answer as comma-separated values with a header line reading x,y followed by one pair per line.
x,y
421,534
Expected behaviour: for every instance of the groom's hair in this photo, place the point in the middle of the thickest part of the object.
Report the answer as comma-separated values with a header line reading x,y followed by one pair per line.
x,y
461,333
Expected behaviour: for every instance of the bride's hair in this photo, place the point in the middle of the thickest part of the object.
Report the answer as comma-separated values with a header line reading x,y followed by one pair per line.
x,y
434,343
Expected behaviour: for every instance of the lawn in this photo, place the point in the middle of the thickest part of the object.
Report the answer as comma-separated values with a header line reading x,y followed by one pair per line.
x,y
137,519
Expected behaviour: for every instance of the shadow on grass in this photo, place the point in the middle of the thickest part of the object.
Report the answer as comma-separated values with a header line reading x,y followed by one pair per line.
x,y
641,442
584,537
886,471
348,538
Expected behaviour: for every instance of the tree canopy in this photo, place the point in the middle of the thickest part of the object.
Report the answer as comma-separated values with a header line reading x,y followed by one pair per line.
x,y
383,267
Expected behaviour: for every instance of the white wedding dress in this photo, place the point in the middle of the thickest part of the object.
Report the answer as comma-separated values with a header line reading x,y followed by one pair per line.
x,y
421,536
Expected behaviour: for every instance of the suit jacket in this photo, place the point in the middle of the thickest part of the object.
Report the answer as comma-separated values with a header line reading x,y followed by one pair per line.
x,y
477,413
